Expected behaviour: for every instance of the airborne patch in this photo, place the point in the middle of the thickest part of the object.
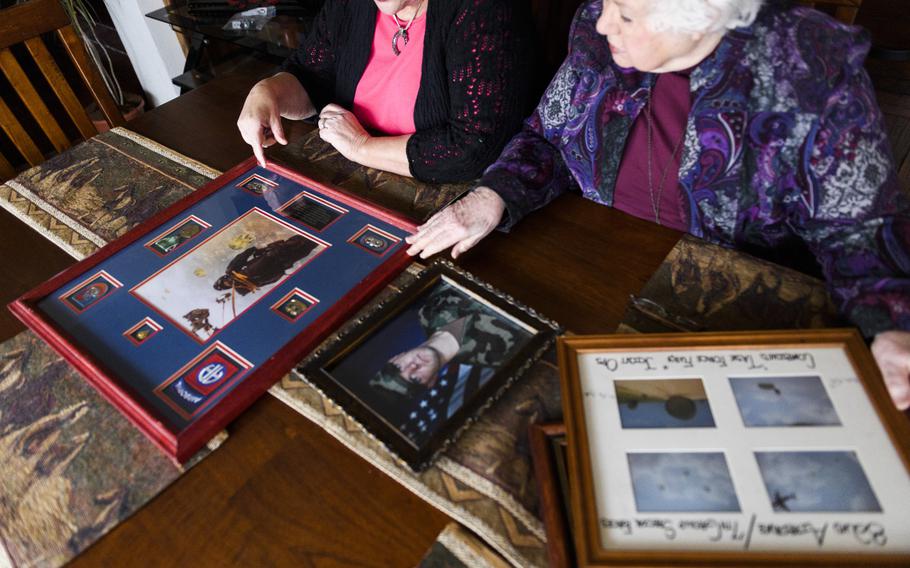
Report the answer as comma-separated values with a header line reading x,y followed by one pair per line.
x,y
195,385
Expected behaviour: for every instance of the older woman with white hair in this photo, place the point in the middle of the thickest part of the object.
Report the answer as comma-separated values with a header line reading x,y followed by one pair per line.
x,y
748,126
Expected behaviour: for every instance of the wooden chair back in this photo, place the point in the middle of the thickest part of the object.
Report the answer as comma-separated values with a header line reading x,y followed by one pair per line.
x,y
844,10
24,24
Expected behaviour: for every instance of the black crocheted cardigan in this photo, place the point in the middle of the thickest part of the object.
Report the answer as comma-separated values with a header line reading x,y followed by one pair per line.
x,y
475,85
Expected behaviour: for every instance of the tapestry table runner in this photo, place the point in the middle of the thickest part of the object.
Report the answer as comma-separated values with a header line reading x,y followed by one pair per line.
x,y
99,189
456,547
71,466
102,188
704,287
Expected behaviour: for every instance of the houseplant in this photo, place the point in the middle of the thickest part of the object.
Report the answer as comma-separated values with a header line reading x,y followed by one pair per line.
x,y
84,21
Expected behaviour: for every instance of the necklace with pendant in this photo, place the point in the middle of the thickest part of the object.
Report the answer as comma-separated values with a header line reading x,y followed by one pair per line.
x,y
655,201
403,30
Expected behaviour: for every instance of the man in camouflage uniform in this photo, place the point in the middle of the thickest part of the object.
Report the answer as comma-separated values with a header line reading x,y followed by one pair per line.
x,y
465,341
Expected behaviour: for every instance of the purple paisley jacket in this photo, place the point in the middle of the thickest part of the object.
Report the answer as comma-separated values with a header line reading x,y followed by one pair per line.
x,y
784,140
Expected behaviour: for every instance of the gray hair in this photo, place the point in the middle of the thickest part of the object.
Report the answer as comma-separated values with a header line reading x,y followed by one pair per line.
x,y
701,16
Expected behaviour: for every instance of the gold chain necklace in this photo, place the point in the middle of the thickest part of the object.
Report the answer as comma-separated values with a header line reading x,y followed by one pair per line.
x,y
655,203
403,30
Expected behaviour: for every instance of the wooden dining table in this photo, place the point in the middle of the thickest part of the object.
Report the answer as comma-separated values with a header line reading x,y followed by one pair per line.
x,y
280,491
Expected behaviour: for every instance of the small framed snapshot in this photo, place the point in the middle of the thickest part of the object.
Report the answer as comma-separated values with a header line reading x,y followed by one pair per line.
x,y
734,449
217,297
422,364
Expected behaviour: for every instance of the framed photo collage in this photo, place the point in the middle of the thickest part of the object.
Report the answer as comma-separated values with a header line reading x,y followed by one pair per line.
x,y
734,449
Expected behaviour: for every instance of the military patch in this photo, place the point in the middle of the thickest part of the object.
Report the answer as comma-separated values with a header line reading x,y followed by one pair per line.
x,y
142,331
169,241
195,385
374,240
294,305
89,292
257,185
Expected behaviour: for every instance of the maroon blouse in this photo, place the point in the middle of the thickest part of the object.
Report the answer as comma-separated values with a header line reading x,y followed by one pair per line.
x,y
670,104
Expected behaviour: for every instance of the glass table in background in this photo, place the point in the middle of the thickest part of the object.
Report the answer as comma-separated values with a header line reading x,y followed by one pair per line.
x,y
212,50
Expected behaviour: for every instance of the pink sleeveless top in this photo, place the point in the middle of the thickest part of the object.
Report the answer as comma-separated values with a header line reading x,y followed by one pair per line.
x,y
387,91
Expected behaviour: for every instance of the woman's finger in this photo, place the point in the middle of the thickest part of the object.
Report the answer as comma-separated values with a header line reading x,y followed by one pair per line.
x,y
428,238
433,219
898,384
467,244
460,248
441,243
442,237
277,130
259,153
420,240
327,112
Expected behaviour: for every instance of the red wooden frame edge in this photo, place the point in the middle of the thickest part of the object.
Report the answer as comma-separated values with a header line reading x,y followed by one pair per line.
x,y
119,397
377,211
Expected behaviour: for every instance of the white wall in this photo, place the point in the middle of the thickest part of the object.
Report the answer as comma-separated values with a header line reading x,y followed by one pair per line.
x,y
151,45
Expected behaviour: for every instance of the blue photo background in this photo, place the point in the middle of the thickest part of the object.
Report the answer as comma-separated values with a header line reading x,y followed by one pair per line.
x,y
783,401
653,414
816,482
397,335
682,482
257,333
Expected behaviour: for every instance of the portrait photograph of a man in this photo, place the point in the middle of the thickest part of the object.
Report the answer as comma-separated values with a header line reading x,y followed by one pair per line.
x,y
427,361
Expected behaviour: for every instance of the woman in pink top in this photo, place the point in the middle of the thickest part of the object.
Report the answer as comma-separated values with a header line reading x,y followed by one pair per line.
x,y
426,88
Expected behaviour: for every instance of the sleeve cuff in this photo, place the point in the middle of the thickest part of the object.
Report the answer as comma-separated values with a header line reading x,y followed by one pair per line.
x,y
511,190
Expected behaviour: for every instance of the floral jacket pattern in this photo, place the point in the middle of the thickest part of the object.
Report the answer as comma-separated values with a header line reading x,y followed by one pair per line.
x,y
784,140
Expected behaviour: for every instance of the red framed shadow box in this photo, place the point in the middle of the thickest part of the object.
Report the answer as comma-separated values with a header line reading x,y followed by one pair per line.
x,y
189,317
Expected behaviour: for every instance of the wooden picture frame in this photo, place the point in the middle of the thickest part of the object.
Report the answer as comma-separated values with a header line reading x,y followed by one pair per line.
x,y
208,270
734,449
414,406
549,453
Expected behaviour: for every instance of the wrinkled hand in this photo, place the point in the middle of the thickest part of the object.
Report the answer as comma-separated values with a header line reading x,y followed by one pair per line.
x,y
340,128
891,350
462,224
260,120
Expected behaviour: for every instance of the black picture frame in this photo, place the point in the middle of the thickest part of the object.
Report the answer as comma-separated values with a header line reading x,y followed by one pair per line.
x,y
330,367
